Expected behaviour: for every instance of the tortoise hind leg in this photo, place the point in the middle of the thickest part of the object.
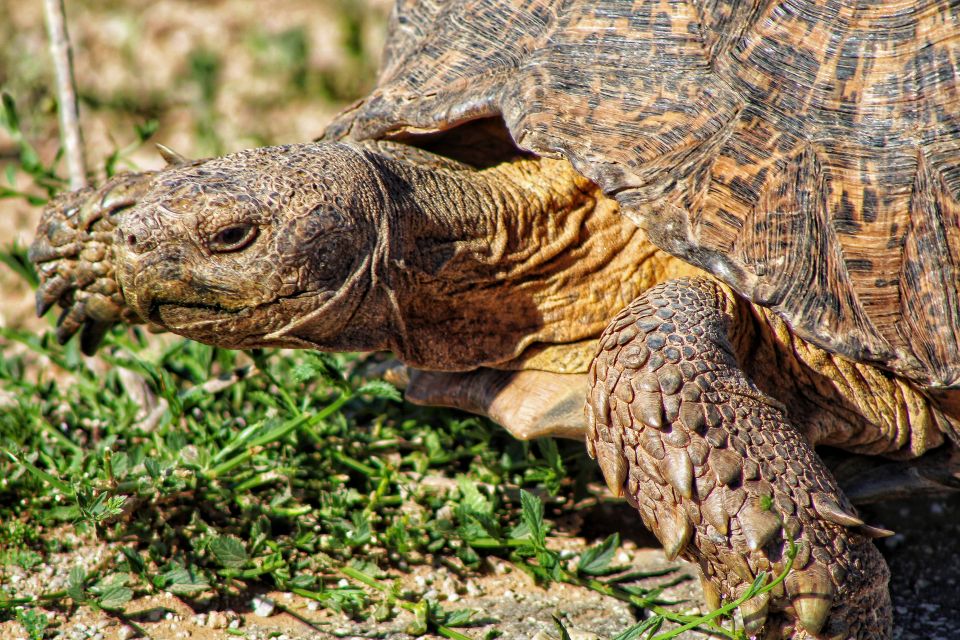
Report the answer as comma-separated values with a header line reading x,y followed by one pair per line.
x,y
529,404
719,474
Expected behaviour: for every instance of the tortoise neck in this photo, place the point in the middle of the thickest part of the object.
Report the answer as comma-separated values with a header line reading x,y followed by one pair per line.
x,y
483,263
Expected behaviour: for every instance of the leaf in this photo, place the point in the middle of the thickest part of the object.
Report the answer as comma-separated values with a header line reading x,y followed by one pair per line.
x,y
361,533
181,581
561,629
421,621
115,597
146,130
458,617
152,467
75,582
321,367
533,517
651,624
229,552
595,561
380,389
8,115
15,257
137,565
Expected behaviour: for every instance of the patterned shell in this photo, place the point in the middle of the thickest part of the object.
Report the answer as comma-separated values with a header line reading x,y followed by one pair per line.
x,y
806,152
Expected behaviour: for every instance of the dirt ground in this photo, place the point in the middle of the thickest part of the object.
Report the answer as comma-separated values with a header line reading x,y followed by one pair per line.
x,y
207,71
924,558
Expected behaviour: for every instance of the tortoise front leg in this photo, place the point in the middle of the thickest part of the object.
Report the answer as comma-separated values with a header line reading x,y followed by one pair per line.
x,y
720,475
73,254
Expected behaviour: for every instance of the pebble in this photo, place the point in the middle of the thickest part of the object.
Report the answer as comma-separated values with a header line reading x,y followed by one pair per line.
x,y
263,607
126,632
216,620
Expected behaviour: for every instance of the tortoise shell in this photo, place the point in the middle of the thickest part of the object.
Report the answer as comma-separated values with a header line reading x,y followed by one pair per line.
x,y
803,151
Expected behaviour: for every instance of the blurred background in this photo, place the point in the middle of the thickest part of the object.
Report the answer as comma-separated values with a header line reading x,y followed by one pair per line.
x,y
204,78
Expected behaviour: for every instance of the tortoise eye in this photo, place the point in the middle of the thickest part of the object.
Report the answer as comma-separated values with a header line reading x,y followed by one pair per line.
x,y
233,238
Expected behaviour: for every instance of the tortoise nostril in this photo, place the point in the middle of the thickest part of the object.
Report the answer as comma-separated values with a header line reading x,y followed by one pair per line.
x,y
131,240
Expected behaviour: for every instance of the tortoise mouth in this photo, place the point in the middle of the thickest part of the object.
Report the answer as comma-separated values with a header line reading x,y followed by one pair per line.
x,y
185,315
238,328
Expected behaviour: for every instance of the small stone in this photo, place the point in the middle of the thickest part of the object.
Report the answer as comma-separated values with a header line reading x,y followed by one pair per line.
x,y
263,607
216,620
126,632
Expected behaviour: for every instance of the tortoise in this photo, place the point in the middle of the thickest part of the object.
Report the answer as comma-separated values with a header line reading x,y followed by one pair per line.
x,y
731,228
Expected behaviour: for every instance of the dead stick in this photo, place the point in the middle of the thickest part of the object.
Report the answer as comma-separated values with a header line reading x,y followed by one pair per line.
x,y
66,92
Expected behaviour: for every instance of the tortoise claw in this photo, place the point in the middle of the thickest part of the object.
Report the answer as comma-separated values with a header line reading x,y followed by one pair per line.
x,y
754,613
91,335
50,292
811,591
70,321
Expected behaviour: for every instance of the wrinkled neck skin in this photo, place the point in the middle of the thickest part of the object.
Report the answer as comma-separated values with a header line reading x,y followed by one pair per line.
x,y
482,264
449,267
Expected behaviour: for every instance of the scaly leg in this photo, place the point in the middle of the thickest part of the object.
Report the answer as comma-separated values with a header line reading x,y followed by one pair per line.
x,y
719,474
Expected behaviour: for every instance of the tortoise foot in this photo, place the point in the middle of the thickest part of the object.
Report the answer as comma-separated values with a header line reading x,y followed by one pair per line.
x,y
721,477
74,258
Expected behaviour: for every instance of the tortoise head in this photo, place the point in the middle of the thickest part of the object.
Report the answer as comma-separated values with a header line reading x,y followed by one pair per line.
x,y
266,247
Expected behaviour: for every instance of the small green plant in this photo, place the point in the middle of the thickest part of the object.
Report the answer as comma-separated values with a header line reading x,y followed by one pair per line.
x,y
204,69
44,177
34,622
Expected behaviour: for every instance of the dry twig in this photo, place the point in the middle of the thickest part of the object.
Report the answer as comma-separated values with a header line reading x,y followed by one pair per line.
x,y
66,92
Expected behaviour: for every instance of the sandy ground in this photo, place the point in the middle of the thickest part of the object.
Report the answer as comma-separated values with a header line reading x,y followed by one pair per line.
x,y
139,59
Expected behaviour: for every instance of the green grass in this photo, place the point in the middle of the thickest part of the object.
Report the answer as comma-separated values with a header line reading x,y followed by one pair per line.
x,y
293,471
286,470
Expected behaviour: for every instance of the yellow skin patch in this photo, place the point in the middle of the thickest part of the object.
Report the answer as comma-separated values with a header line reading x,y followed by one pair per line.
x,y
837,402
